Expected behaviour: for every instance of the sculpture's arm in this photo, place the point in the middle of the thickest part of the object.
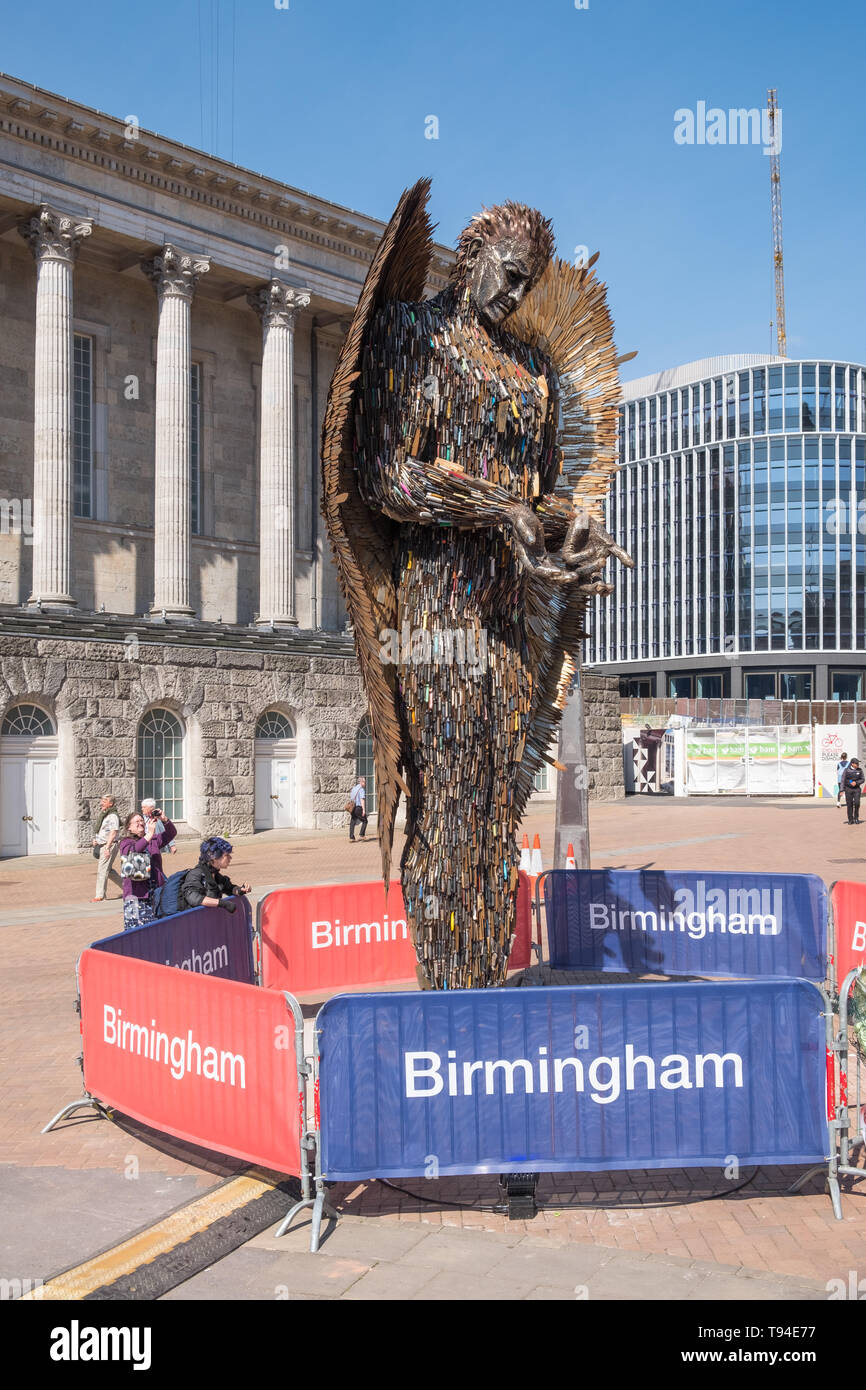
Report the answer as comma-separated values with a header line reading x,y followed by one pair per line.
x,y
399,405
583,542
399,472
441,494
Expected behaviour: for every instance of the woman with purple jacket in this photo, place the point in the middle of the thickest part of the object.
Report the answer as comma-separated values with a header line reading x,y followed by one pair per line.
x,y
141,865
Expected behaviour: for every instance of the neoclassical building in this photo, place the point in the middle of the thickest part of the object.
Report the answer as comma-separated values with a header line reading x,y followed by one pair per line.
x,y
170,621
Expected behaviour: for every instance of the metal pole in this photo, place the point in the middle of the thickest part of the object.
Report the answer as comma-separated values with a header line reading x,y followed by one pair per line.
x,y
572,790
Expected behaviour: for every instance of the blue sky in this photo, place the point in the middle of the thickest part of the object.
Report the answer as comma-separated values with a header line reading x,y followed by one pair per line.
x,y
571,110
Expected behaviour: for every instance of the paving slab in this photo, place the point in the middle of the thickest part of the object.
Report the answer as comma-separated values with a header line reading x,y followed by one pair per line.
x,y
472,1252
54,1218
249,1274
355,1238
457,1287
391,1283
535,1263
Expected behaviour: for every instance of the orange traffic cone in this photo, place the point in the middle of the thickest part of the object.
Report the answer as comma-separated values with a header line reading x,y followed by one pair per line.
x,y
569,858
525,864
536,866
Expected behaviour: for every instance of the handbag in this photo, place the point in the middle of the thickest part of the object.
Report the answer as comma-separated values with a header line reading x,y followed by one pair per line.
x,y
349,806
135,865
97,851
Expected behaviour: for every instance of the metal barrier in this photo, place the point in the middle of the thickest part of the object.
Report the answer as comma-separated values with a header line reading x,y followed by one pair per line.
x,y
204,940
586,1078
847,928
213,1062
341,935
577,1078
638,921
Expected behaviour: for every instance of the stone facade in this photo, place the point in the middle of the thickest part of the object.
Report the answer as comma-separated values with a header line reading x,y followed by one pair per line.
x,y
97,692
603,736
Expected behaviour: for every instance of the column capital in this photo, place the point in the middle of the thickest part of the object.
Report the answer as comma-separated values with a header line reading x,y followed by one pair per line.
x,y
53,235
278,304
174,272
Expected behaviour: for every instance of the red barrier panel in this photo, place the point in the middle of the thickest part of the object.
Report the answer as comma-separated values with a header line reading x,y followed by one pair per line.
x,y
342,934
211,1061
521,954
848,902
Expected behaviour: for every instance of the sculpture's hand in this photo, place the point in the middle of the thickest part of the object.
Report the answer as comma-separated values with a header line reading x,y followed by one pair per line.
x,y
586,549
527,530
527,534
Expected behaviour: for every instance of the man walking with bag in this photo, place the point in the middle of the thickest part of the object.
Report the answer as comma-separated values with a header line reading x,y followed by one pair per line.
x,y
852,782
357,808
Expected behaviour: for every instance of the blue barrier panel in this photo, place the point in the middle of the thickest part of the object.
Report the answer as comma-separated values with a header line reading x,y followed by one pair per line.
x,y
207,940
573,1078
652,922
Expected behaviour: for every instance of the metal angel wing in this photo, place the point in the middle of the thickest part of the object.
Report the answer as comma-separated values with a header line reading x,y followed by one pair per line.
x,y
566,315
363,541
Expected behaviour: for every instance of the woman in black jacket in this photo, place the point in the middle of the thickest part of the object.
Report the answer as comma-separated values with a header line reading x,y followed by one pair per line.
x,y
207,883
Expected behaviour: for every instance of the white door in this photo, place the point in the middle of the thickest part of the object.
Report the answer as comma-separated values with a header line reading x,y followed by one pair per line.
x,y
264,805
40,805
27,805
283,792
13,806
275,792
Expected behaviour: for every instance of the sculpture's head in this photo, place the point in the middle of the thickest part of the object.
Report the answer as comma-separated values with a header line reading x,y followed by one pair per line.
x,y
501,254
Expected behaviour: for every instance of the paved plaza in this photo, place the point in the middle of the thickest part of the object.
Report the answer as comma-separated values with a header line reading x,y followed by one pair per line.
x,y
69,1195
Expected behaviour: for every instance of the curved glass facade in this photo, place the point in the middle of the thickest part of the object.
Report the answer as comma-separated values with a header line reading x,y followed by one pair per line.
x,y
742,498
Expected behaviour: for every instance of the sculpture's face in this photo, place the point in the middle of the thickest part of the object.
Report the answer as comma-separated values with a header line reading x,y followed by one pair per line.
x,y
498,276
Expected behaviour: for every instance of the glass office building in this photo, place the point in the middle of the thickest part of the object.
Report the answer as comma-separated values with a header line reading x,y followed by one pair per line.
x,y
741,496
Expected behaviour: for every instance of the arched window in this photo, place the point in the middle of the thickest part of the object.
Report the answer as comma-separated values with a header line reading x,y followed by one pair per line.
x,y
364,766
27,721
272,724
160,761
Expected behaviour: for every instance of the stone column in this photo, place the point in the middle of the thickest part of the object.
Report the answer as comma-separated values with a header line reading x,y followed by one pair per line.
x,y
278,306
174,274
54,239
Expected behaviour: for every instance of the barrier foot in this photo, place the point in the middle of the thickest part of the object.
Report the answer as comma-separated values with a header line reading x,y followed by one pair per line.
x,y
292,1213
835,1196
71,1108
832,1187
321,1207
810,1173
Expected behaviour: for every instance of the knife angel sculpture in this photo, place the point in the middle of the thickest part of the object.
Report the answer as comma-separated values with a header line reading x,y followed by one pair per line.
x,y
467,448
